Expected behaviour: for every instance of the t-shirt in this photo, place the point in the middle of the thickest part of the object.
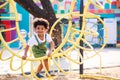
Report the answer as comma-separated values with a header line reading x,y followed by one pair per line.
x,y
32,41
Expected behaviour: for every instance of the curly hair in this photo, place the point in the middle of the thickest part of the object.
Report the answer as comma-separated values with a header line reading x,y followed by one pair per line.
x,y
40,21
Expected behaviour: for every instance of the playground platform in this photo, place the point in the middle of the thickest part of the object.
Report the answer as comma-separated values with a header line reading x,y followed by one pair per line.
x,y
110,64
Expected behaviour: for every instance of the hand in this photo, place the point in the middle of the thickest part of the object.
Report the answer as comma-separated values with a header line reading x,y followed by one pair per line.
x,y
49,53
24,57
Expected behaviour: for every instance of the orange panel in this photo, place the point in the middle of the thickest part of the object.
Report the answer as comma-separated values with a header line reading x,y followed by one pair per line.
x,y
118,4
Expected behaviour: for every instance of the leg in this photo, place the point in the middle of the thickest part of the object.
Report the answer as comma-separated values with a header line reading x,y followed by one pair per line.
x,y
46,64
39,68
47,67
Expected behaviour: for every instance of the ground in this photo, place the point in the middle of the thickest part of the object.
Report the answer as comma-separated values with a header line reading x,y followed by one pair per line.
x,y
112,72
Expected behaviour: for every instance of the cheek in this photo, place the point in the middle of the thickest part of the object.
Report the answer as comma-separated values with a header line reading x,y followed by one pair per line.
x,y
35,30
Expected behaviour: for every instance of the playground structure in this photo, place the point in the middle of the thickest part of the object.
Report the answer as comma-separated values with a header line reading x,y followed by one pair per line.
x,y
58,52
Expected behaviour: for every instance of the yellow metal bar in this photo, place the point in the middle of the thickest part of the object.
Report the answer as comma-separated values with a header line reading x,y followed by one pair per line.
x,y
4,30
4,4
22,70
46,72
59,66
12,41
11,65
1,53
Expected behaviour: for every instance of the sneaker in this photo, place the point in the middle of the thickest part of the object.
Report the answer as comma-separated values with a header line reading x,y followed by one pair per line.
x,y
39,76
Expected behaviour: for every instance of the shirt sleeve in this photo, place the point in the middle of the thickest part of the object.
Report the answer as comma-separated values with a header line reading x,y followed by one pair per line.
x,y
32,41
48,38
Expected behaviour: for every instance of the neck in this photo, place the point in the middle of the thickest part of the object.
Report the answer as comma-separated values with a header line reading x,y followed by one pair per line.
x,y
41,36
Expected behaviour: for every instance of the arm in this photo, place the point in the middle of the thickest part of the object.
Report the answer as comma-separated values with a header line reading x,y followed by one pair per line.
x,y
51,48
25,53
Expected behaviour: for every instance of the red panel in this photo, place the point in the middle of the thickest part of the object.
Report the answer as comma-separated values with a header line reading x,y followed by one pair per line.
x,y
119,28
100,11
109,11
119,35
92,11
112,11
114,3
7,33
118,42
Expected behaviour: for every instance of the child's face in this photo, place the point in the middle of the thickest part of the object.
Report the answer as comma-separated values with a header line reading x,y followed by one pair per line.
x,y
40,30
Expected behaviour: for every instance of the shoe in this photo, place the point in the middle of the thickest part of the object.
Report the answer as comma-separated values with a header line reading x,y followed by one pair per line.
x,y
39,76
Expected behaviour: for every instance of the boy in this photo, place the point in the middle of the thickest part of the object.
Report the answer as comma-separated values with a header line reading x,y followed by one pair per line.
x,y
38,41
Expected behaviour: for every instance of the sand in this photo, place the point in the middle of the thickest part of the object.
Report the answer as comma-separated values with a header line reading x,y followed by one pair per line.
x,y
113,72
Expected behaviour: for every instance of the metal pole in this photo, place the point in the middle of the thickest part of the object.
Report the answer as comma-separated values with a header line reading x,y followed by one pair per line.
x,y
81,42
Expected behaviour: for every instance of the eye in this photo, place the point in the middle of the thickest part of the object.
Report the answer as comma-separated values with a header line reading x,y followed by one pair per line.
x,y
42,28
38,28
